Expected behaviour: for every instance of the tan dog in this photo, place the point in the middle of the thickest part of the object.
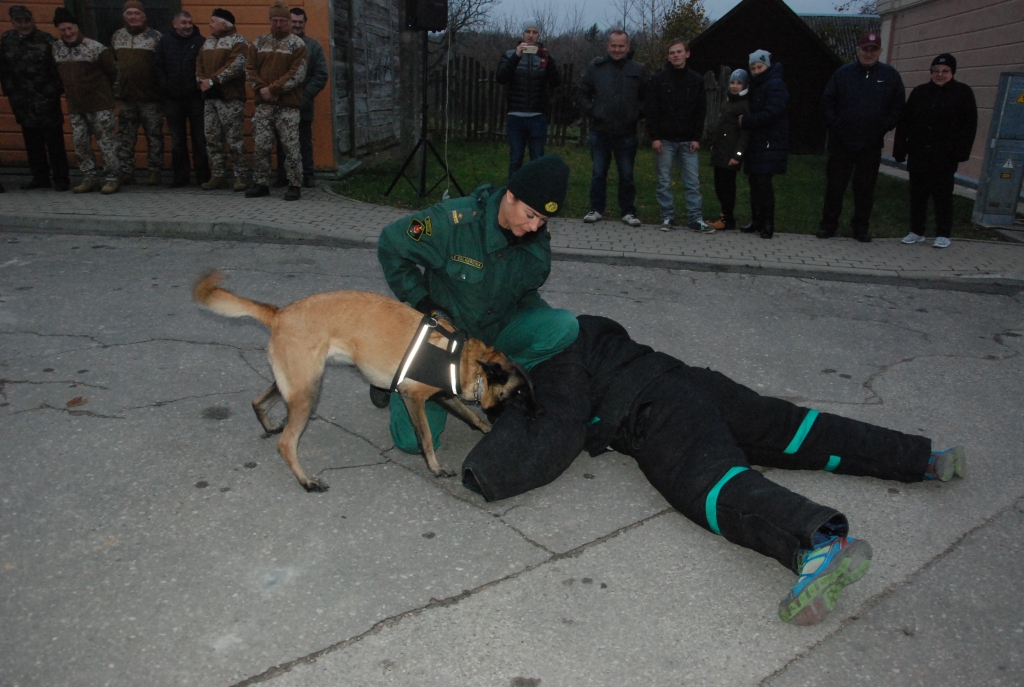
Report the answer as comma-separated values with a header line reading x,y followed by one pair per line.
x,y
371,332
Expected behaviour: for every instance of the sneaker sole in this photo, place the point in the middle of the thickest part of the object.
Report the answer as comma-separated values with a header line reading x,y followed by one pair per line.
x,y
819,598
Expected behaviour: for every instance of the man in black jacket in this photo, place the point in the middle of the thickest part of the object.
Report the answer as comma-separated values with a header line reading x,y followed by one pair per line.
x,y
183,101
529,71
936,132
861,103
612,93
694,433
675,122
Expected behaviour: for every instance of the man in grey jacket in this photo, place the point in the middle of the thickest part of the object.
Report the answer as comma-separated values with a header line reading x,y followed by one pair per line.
x,y
316,79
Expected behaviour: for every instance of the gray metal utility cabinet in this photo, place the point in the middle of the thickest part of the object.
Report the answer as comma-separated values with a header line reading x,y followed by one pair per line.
x,y
1003,171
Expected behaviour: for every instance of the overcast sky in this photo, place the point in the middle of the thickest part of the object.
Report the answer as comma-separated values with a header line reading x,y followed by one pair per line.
x,y
601,11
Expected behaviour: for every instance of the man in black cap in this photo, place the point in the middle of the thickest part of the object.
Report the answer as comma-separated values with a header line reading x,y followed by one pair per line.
x,y
478,262
861,103
936,132
28,75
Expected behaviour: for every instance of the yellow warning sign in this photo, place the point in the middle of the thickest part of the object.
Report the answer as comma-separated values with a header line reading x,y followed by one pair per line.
x,y
1021,99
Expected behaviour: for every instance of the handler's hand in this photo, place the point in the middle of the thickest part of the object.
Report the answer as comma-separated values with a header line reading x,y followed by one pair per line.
x,y
694,146
658,148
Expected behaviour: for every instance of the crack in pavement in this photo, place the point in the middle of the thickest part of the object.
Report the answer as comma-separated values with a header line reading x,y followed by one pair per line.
x,y
73,383
394,620
159,404
69,411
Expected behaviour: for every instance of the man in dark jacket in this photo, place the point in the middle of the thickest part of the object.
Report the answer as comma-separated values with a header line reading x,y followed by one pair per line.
x,y
316,79
694,433
675,122
862,101
29,78
529,71
183,101
612,94
936,133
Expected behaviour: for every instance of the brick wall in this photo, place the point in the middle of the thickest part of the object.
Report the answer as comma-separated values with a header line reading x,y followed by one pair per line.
x,y
251,20
985,36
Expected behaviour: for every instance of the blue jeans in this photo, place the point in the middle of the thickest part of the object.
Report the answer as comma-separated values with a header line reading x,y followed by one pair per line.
x,y
678,152
523,131
602,147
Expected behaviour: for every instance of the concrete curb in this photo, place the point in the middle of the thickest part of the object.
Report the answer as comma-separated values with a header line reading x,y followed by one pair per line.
x,y
269,232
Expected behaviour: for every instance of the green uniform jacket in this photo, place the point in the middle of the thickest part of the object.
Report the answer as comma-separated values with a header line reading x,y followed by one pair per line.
x,y
468,268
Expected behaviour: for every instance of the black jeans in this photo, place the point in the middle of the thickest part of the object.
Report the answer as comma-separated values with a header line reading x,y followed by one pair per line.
x,y
862,166
305,150
725,189
933,180
762,200
43,140
687,430
181,114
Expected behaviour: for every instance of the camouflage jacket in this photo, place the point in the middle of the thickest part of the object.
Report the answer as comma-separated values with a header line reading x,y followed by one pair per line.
x,y
29,78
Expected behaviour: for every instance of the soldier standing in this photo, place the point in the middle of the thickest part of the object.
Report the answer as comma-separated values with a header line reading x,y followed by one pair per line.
x,y
138,92
88,72
220,72
32,85
275,69
316,79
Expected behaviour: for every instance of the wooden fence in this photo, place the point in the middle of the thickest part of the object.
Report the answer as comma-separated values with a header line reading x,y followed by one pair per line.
x,y
475,104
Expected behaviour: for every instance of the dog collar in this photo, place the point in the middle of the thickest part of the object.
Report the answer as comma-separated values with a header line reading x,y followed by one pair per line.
x,y
431,365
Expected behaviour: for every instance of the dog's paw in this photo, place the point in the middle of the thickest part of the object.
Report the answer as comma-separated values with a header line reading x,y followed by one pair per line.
x,y
316,485
445,472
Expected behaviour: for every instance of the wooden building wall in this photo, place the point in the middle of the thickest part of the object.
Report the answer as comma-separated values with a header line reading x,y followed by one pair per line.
x,y
985,36
251,20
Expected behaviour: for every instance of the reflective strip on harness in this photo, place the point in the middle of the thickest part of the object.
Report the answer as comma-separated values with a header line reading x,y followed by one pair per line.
x,y
711,504
833,463
801,433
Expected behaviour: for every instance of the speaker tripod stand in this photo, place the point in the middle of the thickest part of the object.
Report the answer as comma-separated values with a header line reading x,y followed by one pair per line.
x,y
425,144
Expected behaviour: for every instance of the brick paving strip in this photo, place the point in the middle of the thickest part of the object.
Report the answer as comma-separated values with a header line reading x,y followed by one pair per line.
x,y
323,218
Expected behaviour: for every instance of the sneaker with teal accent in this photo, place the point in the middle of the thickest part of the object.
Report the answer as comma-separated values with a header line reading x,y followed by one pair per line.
x,y
824,573
943,465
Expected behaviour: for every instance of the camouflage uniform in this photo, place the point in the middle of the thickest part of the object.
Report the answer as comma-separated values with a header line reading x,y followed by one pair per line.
x,y
101,125
278,64
223,121
139,97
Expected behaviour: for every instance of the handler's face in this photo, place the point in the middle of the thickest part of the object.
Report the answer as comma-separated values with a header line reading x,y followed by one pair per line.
x,y
520,218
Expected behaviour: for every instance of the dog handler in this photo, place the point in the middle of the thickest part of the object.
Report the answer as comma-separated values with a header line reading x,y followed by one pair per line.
x,y
478,262
694,433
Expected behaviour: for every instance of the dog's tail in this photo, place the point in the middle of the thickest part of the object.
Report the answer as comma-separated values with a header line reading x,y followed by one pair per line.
x,y
209,295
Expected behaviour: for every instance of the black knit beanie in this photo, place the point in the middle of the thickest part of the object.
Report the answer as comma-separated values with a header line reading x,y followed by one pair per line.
x,y
222,13
542,184
946,59
62,15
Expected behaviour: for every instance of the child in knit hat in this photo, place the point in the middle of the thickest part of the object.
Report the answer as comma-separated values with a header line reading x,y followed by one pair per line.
x,y
728,146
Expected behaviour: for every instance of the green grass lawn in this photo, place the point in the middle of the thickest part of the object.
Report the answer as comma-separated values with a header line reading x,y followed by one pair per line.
x,y
798,194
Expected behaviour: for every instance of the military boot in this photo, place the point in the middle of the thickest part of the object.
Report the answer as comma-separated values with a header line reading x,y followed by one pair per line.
x,y
112,186
126,178
214,183
155,177
88,185
240,184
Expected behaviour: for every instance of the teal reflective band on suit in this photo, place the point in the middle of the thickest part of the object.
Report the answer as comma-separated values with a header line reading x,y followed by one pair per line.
x,y
801,433
833,463
711,504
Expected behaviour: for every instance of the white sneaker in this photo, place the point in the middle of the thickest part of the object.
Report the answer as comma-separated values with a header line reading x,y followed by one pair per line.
x,y
631,220
941,242
592,217
667,224
913,238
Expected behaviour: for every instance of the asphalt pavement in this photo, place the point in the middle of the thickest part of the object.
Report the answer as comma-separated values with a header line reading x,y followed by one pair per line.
x,y
151,535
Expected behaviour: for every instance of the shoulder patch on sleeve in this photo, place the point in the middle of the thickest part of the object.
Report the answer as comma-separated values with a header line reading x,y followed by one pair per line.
x,y
415,230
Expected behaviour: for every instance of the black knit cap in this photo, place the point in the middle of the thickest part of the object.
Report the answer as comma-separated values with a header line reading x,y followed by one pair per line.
x,y
62,15
946,59
19,12
222,13
542,184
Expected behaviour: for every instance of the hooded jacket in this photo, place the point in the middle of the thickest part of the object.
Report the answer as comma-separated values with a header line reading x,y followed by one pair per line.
x,y
938,124
612,94
676,105
860,104
528,79
768,123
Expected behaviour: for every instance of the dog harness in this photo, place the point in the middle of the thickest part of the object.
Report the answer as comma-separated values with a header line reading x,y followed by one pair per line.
x,y
429,364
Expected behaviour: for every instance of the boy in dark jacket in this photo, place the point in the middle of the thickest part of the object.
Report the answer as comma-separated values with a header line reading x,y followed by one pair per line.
x,y
529,71
675,122
936,131
768,149
728,146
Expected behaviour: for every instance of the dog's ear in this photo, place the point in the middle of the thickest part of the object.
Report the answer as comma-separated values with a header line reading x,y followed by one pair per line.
x,y
495,373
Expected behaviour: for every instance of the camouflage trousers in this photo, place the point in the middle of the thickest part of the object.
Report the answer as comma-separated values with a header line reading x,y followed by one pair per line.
x,y
284,120
101,125
223,123
150,116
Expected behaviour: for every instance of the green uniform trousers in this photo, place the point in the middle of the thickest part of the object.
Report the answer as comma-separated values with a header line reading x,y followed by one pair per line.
x,y
530,338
